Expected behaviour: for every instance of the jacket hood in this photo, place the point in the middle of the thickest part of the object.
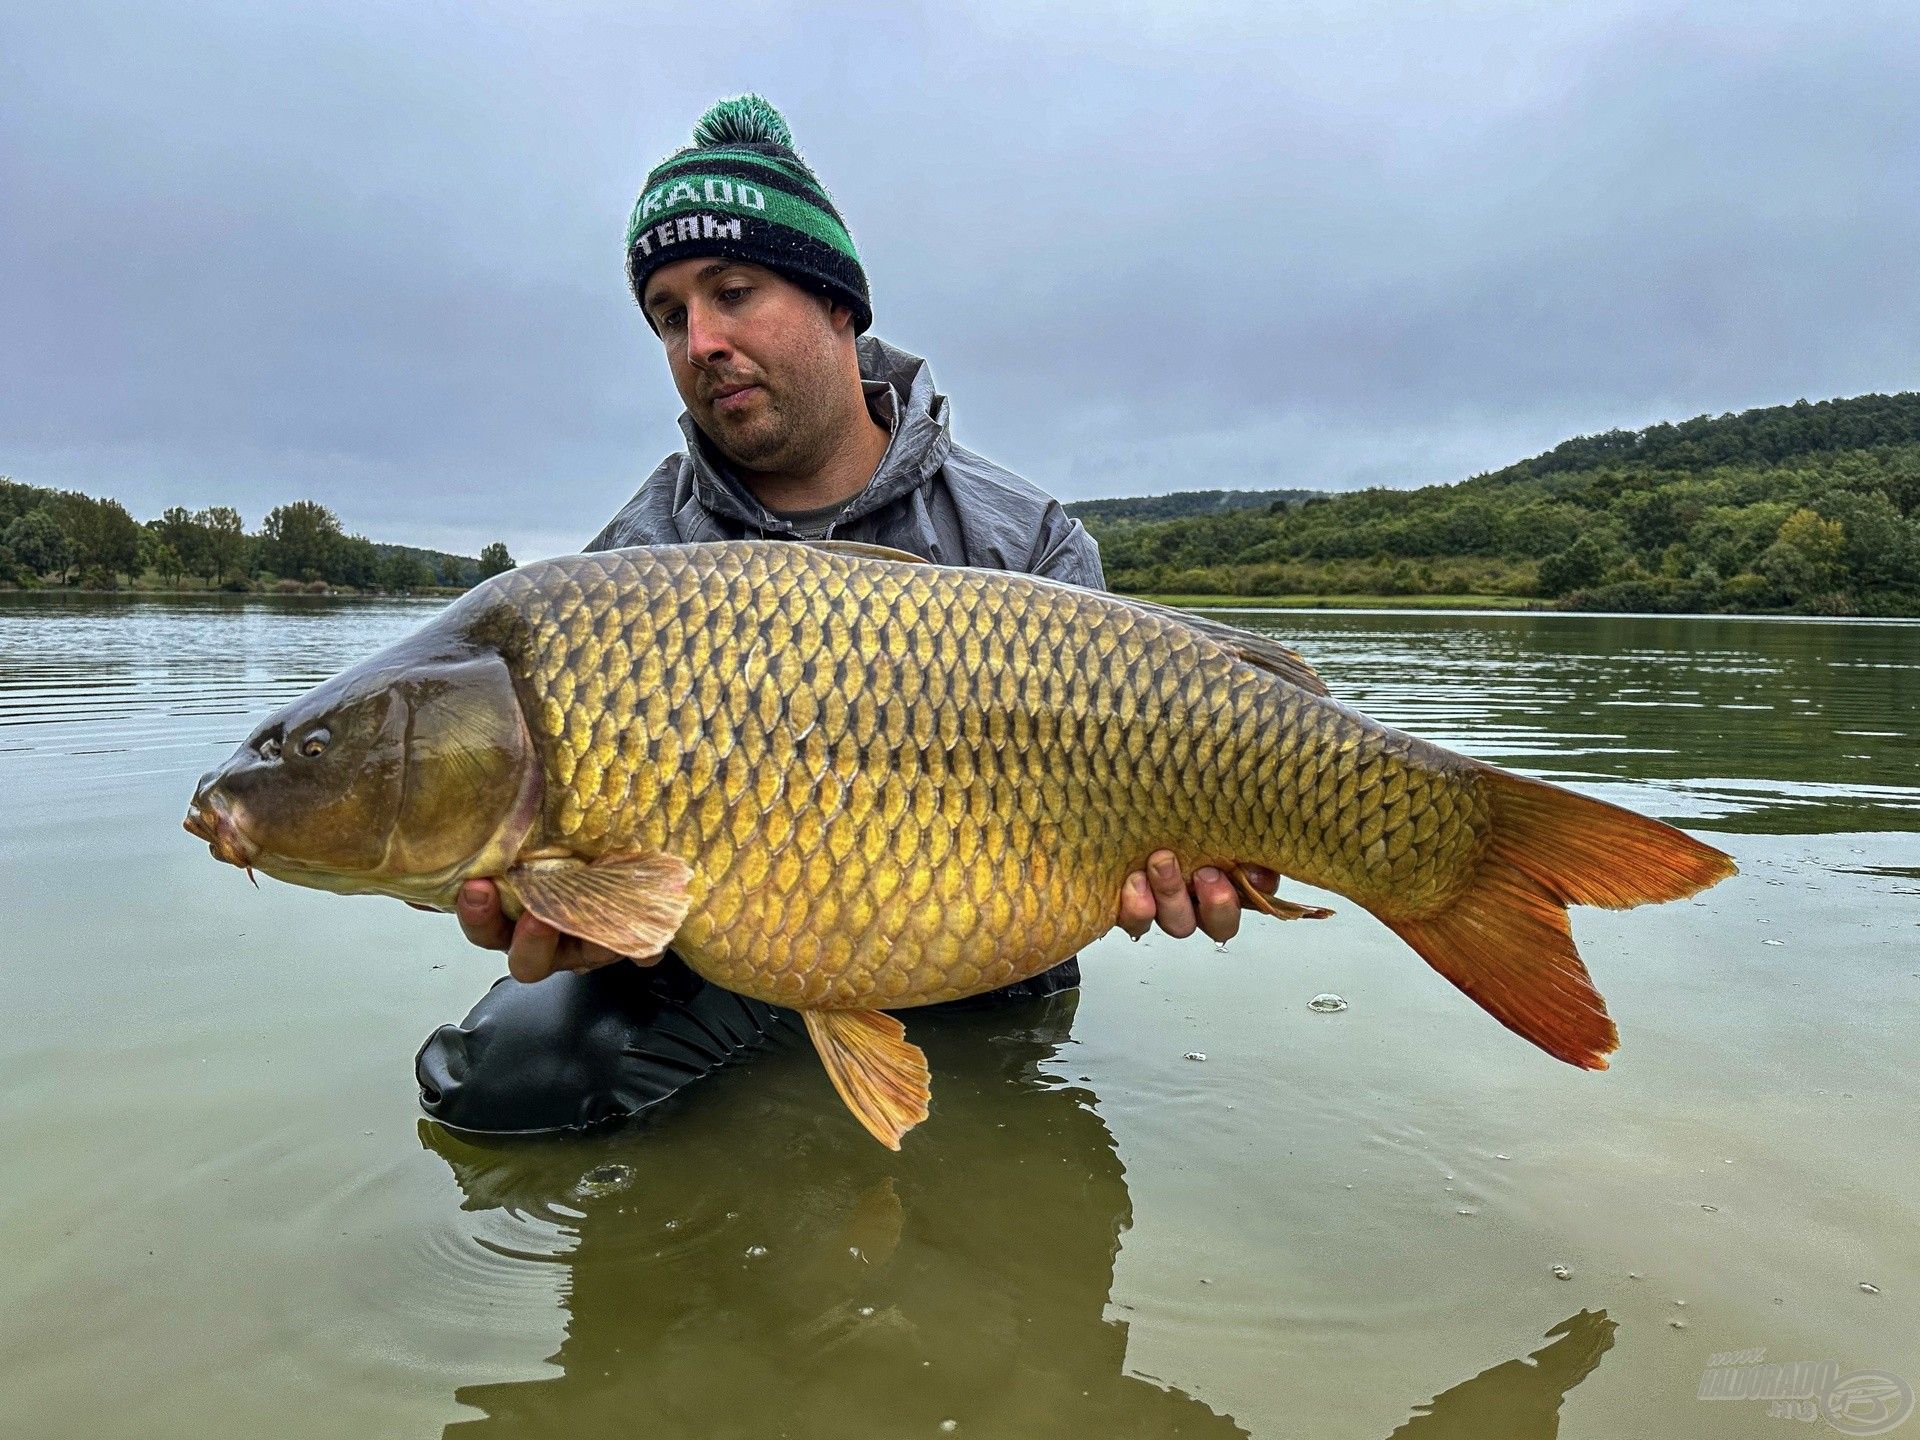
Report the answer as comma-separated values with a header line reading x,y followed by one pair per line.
x,y
903,385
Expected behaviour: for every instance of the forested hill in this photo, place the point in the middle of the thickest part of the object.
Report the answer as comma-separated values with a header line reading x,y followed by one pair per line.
x,y
1754,437
1184,502
62,537
1805,507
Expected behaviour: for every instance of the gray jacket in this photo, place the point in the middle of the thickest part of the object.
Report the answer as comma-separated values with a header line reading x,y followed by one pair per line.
x,y
930,496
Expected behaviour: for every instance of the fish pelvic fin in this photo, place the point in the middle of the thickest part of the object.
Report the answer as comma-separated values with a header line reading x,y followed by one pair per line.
x,y
632,904
881,1074
1504,939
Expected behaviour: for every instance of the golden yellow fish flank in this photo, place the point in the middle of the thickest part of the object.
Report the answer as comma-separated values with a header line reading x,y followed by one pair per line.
x,y
845,781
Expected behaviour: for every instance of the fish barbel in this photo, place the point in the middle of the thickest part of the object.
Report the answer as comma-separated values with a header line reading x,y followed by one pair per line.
x,y
843,780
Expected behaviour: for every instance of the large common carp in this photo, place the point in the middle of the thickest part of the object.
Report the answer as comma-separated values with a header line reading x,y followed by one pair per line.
x,y
842,780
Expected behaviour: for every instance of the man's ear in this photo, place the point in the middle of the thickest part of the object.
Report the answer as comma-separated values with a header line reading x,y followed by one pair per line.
x,y
838,315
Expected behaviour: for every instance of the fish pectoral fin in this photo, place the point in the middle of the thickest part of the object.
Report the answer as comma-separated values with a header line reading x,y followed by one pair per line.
x,y
632,904
1255,898
880,1073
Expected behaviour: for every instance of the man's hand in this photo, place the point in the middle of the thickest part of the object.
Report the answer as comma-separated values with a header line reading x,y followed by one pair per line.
x,y
1159,893
534,948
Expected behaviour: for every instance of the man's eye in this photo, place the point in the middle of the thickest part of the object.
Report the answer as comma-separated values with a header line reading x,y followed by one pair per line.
x,y
671,320
734,293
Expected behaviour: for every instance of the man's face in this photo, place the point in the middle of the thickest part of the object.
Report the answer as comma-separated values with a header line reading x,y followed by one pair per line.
x,y
757,359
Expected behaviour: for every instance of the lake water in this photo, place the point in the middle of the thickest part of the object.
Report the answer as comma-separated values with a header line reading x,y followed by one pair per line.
x,y
223,1215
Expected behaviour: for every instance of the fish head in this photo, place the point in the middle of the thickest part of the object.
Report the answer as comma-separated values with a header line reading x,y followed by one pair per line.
x,y
402,776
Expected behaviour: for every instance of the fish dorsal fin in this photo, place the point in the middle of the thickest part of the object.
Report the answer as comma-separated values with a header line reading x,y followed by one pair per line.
x,y
880,1073
631,904
1268,654
860,549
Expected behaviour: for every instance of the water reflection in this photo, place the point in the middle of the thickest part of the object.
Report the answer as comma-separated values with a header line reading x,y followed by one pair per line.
x,y
1768,726
1518,1399
756,1278
752,1280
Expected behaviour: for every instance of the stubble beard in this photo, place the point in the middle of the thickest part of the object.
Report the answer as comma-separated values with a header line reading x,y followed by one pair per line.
x,y
789,437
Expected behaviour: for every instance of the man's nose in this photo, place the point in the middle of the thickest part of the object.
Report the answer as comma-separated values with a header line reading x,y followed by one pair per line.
x,y
707,342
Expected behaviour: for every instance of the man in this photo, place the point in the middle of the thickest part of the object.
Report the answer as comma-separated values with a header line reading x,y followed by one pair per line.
x,y
799,426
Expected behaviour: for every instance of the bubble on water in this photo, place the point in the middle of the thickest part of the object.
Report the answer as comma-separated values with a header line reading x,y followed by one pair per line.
x,y
1466,1210
603,1180
1503,1157
865,1311
1194,1055
1709,1207
754,1252
1326,1004
1676,1324
947,1427
1561,1272
1773,942
1869,1287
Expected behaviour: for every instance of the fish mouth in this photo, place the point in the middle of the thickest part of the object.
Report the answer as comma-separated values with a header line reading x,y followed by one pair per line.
x,y
210,820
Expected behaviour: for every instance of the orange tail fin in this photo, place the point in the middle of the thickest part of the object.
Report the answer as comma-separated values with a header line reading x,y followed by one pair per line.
x,y
1505,940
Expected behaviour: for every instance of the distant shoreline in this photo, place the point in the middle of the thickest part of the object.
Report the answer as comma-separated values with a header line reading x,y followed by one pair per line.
x,y
129,592
1345,602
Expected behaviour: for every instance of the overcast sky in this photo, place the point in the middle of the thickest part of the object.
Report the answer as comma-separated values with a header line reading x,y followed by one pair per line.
x,y
371,254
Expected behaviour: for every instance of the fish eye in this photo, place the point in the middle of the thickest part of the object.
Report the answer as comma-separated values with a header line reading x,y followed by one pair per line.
x,y
315,742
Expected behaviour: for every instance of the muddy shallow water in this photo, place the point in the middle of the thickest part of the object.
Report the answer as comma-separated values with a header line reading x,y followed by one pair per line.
x,y
222,1214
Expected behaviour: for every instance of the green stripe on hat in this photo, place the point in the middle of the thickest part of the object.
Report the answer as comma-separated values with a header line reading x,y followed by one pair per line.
x,y
689,193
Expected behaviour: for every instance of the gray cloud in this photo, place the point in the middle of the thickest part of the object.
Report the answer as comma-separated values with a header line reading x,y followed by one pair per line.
x,y
371,254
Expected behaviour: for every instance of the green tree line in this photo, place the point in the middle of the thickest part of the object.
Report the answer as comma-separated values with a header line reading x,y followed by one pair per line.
x,y
67,538
1184,502
1808,507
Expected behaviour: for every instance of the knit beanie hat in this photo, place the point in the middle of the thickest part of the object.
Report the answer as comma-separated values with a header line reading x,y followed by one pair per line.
x,y
740,192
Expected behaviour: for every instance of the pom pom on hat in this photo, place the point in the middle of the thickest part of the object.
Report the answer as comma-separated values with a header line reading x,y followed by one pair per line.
x,y
743,120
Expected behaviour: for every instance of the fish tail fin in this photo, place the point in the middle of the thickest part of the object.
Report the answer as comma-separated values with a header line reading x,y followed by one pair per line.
x,y
1504,938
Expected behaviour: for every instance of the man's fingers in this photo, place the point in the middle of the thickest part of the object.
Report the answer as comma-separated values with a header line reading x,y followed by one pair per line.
x,y
1136,905
532,955
1172,904
478,909
1218,903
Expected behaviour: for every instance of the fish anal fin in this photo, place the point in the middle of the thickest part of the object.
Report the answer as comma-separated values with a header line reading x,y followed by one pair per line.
x,y
1254,898
881,1074
632,904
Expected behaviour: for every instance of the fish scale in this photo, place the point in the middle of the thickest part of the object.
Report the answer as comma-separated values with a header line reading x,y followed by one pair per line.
x,y
899,784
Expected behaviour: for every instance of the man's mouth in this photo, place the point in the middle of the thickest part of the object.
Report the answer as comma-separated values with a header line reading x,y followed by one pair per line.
x,y
732,397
